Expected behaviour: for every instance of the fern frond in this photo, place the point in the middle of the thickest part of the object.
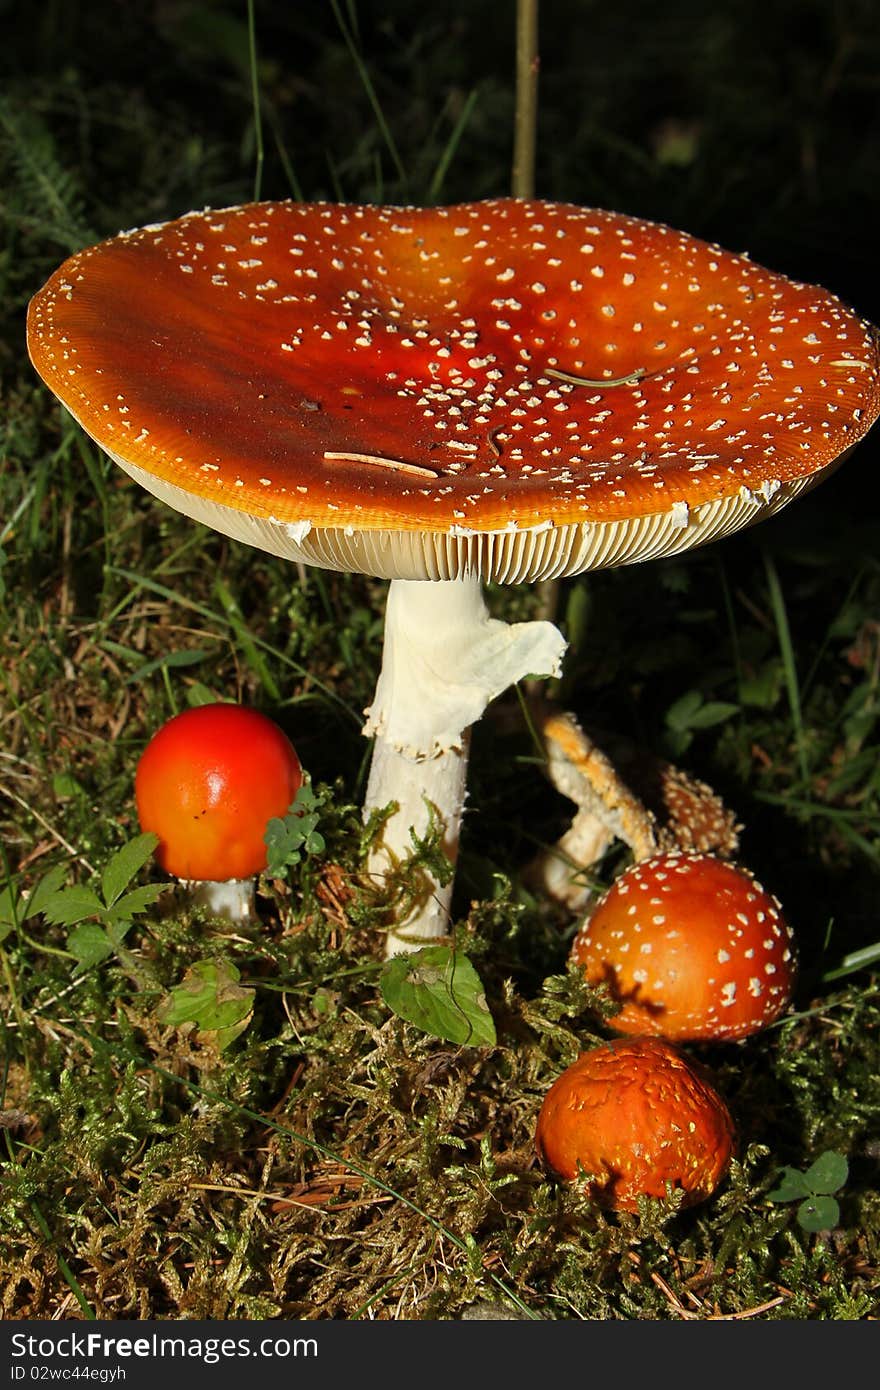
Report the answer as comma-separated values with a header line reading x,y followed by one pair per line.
x,y
39,193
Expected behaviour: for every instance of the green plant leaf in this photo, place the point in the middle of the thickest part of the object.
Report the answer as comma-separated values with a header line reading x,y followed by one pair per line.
x,y
90,944
200,694
44,889
691,711
819,1213
763,687
11,913
677,741
138,900
712,712
438,989
680,715
283,843
792,1186
169,659
828,1173
117,932
65,786
210,996
72,905
16,907
125,863
287,836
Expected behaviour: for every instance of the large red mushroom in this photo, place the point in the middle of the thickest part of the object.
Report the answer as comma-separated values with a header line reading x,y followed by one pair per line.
x,y
508,390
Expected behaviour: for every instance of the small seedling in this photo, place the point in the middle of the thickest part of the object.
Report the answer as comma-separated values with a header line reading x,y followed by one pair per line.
x,y
100,921
818,1209
689,713
288,837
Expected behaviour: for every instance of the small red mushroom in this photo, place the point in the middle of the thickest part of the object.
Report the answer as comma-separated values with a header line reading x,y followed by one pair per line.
x,y
207,784
635,1115
692,947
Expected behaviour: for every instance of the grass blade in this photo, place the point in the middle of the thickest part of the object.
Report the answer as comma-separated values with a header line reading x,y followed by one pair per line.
x,y
452,144
526,117
140,581
255,96
783,632
69,1277
253,657
371,92
856,960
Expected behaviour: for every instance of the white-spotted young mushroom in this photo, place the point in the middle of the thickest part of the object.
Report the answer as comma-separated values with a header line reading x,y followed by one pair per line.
x,y
691,948
508,390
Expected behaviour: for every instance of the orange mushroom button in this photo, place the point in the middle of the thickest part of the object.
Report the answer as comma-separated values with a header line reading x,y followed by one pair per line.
x,y
208,783
635,1115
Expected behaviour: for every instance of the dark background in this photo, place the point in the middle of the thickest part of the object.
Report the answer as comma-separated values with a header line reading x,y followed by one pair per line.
x,y
754,123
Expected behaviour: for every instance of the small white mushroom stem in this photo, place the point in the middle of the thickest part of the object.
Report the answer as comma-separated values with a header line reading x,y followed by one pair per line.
x,y
232,898
607,810
561,871
445,658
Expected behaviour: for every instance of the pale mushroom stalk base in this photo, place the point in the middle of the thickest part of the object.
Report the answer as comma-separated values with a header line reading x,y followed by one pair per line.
x,y
232,898
607,810
562,871
685,813
444,660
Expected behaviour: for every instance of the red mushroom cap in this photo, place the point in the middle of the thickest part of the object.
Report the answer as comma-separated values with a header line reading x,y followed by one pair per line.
x,y
406,391
694,948
208,783
634,1114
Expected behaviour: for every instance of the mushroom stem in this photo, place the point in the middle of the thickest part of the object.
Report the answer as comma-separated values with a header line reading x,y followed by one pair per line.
x,y
607,810
445,658
232,898
420,789
562,871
